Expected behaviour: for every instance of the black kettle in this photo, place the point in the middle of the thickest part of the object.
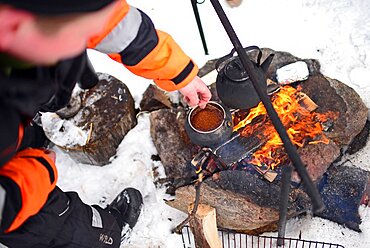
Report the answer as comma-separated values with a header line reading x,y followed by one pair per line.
x,y
234,87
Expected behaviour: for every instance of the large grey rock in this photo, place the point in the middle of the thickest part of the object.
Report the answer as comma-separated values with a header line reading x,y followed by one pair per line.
x,y
332,95
317,165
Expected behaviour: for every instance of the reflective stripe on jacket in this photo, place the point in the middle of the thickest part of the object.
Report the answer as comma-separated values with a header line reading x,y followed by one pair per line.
x,y
131,39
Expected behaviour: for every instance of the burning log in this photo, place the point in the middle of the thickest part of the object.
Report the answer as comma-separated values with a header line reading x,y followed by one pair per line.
x,y
306,102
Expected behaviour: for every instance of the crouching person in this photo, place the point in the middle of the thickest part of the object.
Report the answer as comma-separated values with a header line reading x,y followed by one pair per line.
x,y
42,56
36,213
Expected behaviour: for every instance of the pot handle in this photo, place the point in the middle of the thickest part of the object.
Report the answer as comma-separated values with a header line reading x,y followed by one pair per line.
x,y
228,123
221,62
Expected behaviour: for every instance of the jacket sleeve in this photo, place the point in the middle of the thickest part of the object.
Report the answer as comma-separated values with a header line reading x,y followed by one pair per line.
x,y
131,38
26,177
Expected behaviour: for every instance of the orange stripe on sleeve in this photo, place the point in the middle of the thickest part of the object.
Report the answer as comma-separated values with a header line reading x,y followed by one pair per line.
x,y
115,57
165,62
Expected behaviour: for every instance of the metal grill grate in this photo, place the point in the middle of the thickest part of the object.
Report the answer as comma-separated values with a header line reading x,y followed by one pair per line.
x,y
241,240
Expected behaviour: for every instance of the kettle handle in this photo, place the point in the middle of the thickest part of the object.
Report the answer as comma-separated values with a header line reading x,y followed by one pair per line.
x,y
222,61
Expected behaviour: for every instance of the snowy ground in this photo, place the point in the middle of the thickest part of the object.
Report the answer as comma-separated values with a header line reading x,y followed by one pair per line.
x,y
337,33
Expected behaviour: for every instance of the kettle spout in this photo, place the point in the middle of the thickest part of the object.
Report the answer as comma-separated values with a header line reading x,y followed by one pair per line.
x,y
265,65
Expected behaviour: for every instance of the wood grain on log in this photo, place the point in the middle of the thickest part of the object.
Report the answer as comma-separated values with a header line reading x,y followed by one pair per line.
x,y
204,227
108,113
239,207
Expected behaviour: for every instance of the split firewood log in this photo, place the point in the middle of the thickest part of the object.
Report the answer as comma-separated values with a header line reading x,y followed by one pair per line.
x,y
204,227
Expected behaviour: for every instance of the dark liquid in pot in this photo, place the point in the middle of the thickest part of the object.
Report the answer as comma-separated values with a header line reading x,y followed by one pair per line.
x,y
207,119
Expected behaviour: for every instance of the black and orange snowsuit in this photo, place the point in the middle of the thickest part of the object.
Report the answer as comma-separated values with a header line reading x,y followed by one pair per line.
x,y
34,212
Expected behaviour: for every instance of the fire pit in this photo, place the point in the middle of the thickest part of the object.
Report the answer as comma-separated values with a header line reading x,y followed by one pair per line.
x,y
322,117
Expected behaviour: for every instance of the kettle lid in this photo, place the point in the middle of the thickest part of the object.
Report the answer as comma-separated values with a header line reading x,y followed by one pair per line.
x,y
235,71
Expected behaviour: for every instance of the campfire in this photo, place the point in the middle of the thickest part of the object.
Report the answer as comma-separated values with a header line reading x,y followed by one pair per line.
x,y
256,146
322,117
303,126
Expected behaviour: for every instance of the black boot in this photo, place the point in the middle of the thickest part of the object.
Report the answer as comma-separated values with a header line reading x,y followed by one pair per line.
x,y
126,208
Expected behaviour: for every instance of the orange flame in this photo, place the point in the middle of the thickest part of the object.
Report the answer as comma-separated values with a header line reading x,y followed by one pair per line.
x,y
303,127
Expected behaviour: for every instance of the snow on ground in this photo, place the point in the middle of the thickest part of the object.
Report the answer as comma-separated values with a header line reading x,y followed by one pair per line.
x,y
337,33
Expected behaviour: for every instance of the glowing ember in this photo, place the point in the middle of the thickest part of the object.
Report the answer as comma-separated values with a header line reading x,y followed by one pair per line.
x,y
303,127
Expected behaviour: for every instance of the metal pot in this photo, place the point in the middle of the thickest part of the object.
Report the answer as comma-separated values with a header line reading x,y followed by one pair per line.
x,y
234,87
210,126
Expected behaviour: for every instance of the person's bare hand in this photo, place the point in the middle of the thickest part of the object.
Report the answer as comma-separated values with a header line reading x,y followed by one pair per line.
x,y
196,93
